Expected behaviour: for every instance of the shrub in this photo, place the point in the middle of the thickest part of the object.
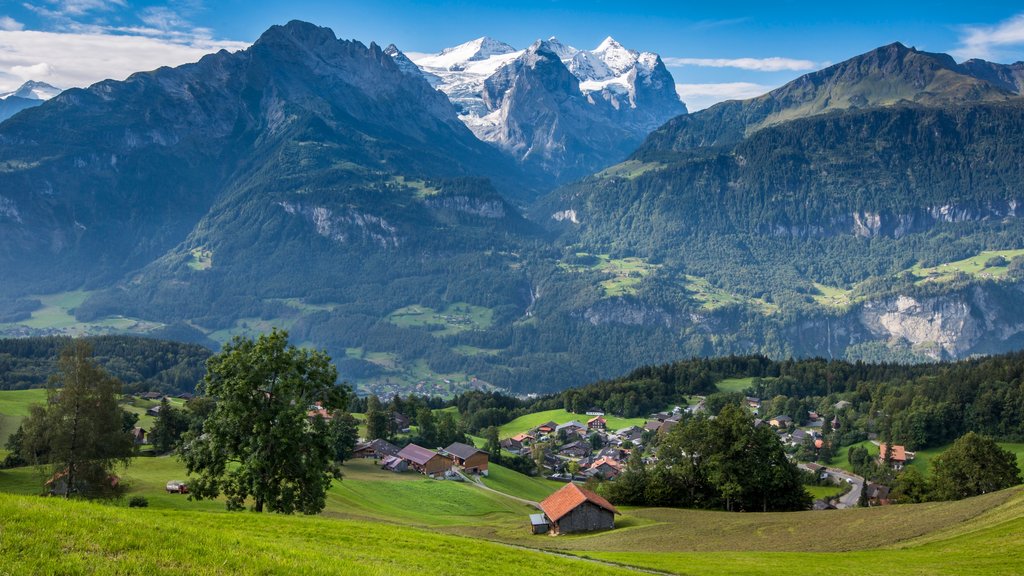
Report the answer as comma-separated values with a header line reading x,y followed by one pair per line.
x,y
138,502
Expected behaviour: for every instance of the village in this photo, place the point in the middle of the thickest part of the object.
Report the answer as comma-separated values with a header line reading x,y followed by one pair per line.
x,y
583,452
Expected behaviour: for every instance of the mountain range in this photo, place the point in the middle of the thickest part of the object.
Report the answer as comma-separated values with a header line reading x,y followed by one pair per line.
x,y
406,213
29,94
558,110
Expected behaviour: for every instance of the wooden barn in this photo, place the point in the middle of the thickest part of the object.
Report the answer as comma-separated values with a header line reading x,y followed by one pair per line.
x,y
374,449
575,509
425,461
470,458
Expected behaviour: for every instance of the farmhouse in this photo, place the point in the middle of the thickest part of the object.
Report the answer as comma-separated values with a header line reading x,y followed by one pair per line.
x,y
547,427
597,423
574,509
378,448
899,457
425,461
781,421
595,412
138,435
578,449
470,458
154,411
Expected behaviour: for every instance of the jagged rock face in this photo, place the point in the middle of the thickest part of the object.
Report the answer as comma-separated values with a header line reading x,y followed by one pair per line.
x,y
105,179
573,112
1009,77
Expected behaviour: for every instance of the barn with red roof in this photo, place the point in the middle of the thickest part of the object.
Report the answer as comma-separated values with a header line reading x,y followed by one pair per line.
x,y
575,509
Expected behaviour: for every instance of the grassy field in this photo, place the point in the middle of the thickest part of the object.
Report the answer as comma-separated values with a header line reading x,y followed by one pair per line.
x,y
734,384
922,458
713,298
14,408
832,297
630,169
200,259
623,274
98,539
456,318
57,316
510,482
973,266
987,543
822,492
524,423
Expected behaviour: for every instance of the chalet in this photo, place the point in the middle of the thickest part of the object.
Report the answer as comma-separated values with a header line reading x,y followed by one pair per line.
x,y
606,468
633,434
660,416
653,425
394,464
138,436
667,426
781,421
470,458
575,509
595,412
151,396
547,427
425,461
579,449
899,457
835,423
570,427
154,411
597,423
319,413
185,396
400,421
753,402
799,437
378,448
877,494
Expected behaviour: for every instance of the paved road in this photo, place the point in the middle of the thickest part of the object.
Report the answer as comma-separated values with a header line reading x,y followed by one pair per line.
x,y
851,498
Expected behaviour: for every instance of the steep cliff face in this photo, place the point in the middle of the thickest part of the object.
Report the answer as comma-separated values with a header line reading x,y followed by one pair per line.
x,y
952,325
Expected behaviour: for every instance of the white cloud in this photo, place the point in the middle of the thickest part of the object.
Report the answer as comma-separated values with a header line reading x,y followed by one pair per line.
x,y
772,64
41,71
990,42
82,59
8,23
68,8
701,96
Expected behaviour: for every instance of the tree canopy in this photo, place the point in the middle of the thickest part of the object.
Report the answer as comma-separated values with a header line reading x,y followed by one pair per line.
x,y
259,444
974,465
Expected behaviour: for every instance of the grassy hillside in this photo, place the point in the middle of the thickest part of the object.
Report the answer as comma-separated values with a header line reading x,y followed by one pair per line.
x,y
987,544
98,539
14,408
524,423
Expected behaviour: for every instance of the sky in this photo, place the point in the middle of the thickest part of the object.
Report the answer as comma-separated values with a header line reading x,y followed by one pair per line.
x,y
715,51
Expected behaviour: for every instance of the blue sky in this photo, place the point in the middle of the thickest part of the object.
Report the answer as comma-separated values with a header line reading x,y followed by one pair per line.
x,y
715,50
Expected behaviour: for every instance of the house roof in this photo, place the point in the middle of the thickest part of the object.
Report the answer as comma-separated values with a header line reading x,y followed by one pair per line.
x,y
568,499
416,454
379,445
570,424
522,436
463,451
782,418
596,419
899,453
549,424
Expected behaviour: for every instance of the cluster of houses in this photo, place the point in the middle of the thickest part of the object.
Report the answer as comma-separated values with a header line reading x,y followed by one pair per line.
x,y
455,459
574,441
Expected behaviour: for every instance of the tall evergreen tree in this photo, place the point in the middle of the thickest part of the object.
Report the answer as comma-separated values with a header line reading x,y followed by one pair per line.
x,y
78,434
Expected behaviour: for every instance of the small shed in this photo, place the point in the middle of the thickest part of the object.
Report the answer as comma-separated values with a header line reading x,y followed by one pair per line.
x,y
539,524
575,509
394,464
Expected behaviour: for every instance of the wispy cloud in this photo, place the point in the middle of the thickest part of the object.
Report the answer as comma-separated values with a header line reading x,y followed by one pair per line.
x,y
991,42
10,24
74,59
711,24
700,96
772,64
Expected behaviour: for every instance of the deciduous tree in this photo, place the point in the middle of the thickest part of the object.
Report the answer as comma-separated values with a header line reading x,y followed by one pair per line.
x,y
974,465
259,444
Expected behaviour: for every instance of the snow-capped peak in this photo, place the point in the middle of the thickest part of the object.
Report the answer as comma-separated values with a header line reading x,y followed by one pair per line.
x,y
563,51
608,43
457,57
33,90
